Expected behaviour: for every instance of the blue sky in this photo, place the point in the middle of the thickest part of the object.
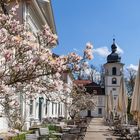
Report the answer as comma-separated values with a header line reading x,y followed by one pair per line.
x,y
99,21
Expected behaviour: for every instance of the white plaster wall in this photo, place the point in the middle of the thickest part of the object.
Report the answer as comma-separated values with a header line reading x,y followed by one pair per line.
x,y
3,124
109,80
109,66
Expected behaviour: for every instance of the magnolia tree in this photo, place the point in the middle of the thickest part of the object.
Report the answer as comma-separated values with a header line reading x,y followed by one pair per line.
x,y
81,101
27,65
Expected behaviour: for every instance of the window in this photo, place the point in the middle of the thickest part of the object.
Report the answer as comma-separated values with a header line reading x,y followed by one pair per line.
x,y
52,108
100,101
95,92
46,109
100,111
31,107
114,81
59,109
55,108
114,71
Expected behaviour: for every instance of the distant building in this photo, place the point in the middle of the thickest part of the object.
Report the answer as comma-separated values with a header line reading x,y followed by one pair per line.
x,y
98,93
110,83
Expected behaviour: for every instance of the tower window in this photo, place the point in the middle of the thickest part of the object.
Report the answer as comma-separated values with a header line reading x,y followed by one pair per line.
x,y
114,71
114,81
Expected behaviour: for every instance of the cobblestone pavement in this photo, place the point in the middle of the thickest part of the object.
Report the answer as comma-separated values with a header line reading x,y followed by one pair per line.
x,y
97,130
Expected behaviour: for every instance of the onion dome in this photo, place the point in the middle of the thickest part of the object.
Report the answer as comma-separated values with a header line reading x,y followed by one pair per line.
x,y
113,57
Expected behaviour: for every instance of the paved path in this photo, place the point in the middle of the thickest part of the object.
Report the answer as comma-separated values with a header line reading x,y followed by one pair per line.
x,y
98,131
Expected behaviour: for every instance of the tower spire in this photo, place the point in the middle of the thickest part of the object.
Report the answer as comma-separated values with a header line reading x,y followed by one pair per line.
x,y
113,40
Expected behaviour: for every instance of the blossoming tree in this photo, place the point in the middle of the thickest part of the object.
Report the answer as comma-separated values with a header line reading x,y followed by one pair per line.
x,y
27,65
82,100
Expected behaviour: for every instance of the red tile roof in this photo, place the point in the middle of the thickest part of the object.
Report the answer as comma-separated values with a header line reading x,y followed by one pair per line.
x,y
90,86
82,82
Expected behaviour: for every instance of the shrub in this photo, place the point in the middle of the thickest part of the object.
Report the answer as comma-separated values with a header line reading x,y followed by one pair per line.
x,y
21,136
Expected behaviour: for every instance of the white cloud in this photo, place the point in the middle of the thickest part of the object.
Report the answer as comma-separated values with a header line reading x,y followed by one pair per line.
x,y
134,67
75,49
119,50
102,51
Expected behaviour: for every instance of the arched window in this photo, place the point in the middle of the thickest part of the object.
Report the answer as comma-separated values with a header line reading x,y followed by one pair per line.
x,y
114,81
114,71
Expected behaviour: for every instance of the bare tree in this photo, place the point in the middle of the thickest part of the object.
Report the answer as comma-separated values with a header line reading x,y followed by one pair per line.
x,y
130,80
102,73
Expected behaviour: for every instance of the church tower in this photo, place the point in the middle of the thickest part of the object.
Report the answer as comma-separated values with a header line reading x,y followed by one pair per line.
x,y
113,74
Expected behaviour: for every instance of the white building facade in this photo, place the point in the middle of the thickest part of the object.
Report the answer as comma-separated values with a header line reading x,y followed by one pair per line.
x,y
35,14
39,109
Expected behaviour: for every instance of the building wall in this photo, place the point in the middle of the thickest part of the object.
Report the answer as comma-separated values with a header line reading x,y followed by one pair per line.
x,y
3,124
33,13
100,105
55,109
3,121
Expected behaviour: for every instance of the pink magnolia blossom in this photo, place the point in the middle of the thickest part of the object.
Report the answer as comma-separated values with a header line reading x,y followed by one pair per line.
x,y
8,55
89,45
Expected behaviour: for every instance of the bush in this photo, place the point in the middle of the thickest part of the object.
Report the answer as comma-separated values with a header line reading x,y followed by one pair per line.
x,y
54,128
21,136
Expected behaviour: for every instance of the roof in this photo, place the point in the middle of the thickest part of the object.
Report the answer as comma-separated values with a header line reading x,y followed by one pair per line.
x,y
91,87
93,84
82,82
114,56
47,11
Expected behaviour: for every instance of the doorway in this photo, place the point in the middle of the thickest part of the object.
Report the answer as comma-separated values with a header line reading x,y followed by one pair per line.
x,y
89,113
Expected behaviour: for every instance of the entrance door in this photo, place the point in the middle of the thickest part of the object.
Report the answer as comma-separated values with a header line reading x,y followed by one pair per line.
x,y
89,113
